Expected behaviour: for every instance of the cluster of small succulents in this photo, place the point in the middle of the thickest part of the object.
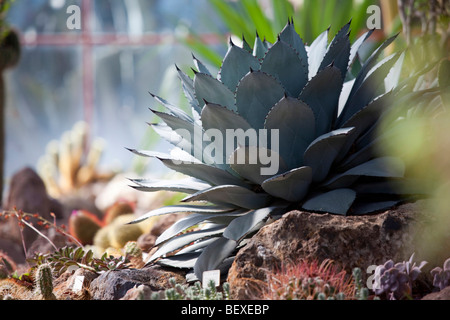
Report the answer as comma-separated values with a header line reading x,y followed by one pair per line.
x,y
396,279
361,292
134,254
441,276
66,257
193,292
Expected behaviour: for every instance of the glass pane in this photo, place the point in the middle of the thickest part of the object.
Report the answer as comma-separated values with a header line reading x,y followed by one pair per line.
x,y
154,16
41,16
46,92
44,98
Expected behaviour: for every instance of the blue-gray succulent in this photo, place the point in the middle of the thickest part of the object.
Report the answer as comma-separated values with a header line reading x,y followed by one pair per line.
x,y
396,279
323,100
441,276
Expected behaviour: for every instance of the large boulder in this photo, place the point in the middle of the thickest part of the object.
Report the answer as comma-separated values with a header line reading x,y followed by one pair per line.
x,y
352,241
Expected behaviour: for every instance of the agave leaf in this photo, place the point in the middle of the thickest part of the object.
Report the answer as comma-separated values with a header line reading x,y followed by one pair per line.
x,y
200,66
385,167
215,117
247,162
323,151
236,65
321,94
213,255
364,120
177,112
292,73
369,89
393,78
191,134
168,134
204,172
368,65
291,37
363,207
291,186
338,53
256,94
200,244
370,114
188,185
185,223
259,49
240,227
245,45
296,124
359,157
182,209
231,195
336,201
316,53
180,157
212,90
357,45
180,261
188,88
184,240
341,34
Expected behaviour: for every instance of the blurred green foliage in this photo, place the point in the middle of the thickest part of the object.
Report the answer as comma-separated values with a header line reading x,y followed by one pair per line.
x,y
311,17
4,7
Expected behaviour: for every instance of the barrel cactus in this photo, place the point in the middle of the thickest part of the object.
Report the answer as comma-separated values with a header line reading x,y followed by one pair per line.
x,y
282,126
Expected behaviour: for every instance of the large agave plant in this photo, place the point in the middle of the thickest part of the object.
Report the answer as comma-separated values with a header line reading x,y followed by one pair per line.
x,y
321,101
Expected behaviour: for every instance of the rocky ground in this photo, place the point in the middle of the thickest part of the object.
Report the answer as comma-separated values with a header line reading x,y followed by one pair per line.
x,y
298,236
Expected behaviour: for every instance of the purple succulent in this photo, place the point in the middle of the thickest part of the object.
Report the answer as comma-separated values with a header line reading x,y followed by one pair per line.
x,y
396,279
441,277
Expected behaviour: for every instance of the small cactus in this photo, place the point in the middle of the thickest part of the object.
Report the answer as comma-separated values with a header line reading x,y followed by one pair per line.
x,y
361,293
44,282
132,249
118,233
121,232
134,254
307,280
83,225
119,208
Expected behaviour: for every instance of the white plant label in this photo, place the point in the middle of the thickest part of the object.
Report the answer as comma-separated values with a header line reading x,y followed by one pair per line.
x,y
78,284
213,275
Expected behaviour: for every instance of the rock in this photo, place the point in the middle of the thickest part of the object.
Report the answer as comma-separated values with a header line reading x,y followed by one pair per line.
x,y
147,241
65,284
113,285
352,241
43,246
27,193
13,250
444,294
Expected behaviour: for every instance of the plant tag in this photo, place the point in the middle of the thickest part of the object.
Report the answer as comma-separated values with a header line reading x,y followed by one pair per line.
x,y
213,275
78,284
